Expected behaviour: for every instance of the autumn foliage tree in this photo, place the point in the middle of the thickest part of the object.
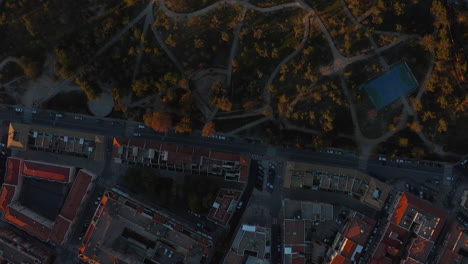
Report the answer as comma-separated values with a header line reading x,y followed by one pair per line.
x,y
184,126
208,129
159,121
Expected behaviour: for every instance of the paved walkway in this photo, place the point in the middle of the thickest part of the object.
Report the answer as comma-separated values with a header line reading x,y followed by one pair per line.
x,y
234,48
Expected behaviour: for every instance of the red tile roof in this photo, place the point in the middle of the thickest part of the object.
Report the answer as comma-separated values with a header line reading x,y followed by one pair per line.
x,y
348,249
76,195
46,171
169,147
298,260
31,226
12,170
224,156
6,196
408,199
60,230
358,230
221,214
338,259
420,249
298,249
294,232
454,237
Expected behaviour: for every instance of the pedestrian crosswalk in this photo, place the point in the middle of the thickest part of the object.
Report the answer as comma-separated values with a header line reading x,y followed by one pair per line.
x,y
363,160
129,130
271,152
27,116
448,174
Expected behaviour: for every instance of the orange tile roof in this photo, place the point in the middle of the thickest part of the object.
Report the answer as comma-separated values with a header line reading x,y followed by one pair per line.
x,y
12,170
24,222
358,230
60,230
339,259
6,196
46,171
408,199
348,249
76,195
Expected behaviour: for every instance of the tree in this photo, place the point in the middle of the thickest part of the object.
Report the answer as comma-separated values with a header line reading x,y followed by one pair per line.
x,y
170,41
399,8
184,126
442,126
208,129
187,104
31,68
91,89
222,103
347,44
415,126
403,142
140,87
160,121
198,43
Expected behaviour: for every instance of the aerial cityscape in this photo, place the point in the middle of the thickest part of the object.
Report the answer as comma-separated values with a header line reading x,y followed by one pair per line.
x,y
234,132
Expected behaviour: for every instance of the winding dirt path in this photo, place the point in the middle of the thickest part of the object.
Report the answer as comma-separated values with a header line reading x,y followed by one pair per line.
x,y
234,48
266,91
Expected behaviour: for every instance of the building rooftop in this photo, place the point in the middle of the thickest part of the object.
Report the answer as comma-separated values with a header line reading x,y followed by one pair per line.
x,y
12,170
224,206
16,249
454,249
52,139
347,247
132,235
40,206
294,232
412,210
231,166
27,223
76,195
46,171
414,226
369,190
6,196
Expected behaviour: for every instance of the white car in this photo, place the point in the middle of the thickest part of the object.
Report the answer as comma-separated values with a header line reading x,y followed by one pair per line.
x,y
382,159
78,118
19,110
449,178
463,163
58,115
141,126
136,134
400,161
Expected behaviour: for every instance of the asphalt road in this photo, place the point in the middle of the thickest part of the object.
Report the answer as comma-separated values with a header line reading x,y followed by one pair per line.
x,y
115,127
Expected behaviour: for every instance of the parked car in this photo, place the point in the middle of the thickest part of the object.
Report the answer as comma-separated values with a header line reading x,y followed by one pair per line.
x,y
58,115
78,118
464,163
437,182
382,158
141,126
19,110
449,178
239,205
136,134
